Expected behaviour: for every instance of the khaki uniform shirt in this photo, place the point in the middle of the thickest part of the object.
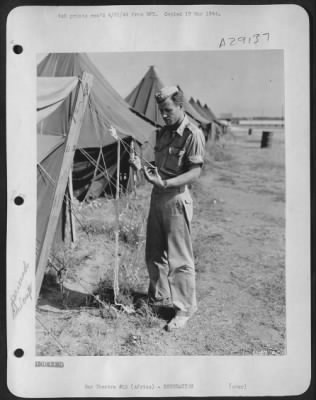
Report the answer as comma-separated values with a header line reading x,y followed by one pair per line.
x,y
176,151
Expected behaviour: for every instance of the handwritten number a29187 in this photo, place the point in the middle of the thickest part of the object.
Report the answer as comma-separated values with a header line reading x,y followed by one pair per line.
x,y
253,39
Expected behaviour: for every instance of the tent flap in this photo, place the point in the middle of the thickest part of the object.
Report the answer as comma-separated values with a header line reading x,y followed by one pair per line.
x,y
51,92
106,107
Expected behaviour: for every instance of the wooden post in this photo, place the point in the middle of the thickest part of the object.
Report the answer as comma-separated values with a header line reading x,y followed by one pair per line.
x,y
61,182
117,230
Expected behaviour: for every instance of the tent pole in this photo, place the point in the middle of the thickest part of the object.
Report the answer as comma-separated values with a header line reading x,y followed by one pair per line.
x,y
132,173
94,175
117,196
61,182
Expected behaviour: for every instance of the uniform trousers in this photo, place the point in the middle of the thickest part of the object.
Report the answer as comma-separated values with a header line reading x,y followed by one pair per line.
x,y
169,254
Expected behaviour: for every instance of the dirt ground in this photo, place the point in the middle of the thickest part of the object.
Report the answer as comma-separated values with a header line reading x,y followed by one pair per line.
x,y
238,236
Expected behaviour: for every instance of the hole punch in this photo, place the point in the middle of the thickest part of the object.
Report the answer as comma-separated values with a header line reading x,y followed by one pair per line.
x,y
18,200
19,353
18,49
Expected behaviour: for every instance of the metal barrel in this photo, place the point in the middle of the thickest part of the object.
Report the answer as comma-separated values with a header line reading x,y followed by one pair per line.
x,y
266,139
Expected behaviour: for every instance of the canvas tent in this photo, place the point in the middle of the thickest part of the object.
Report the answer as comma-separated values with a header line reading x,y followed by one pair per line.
x,y
95,160
206,112
209,112
65,100
142,99
203,121
217,127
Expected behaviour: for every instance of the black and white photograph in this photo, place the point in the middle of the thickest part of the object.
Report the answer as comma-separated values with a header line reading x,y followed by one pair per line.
x,y
158,163
184,259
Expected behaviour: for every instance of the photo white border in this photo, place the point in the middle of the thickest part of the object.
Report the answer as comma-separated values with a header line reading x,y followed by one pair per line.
x,y
41,29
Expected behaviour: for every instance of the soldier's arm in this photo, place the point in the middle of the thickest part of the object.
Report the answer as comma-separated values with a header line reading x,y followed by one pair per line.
x,y
185,178
153,177
194,156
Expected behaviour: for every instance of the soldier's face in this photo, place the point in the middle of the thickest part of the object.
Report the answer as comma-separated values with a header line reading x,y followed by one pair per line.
x,y
171,113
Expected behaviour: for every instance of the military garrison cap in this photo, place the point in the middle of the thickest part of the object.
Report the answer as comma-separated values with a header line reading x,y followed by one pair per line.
x,y
165,92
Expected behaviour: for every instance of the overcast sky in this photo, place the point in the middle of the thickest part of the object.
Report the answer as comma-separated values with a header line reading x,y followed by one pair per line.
x,y
249,83
245,83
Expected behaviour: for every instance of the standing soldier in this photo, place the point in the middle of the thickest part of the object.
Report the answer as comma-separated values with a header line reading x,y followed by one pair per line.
x,y
179,153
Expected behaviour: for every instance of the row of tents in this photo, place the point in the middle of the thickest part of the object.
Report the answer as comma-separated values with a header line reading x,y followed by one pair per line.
x,y
107,108
62,94
142,101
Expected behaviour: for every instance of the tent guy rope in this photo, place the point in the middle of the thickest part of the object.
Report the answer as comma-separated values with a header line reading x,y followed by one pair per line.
x,y
116,288
111,127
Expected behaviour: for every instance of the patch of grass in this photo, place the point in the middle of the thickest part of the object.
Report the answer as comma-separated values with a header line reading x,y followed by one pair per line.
x,y
131,232
227,179
264,191
201,249
104,290
148,317
130,226
263,165
94,227
132,340
129,280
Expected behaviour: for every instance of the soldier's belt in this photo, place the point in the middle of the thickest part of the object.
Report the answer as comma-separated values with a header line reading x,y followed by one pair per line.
x,y
180,189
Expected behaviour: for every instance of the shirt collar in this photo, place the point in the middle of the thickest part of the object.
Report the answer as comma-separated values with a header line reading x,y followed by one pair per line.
x,y
182,126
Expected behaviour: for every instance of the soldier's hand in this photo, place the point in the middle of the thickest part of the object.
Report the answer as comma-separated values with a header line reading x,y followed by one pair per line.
x,y
135,162
152,176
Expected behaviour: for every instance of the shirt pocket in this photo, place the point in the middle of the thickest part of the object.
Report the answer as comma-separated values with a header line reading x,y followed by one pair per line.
x,y
174,159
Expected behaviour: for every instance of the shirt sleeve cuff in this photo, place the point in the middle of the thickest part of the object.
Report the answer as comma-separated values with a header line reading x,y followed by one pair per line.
x,y
195,159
